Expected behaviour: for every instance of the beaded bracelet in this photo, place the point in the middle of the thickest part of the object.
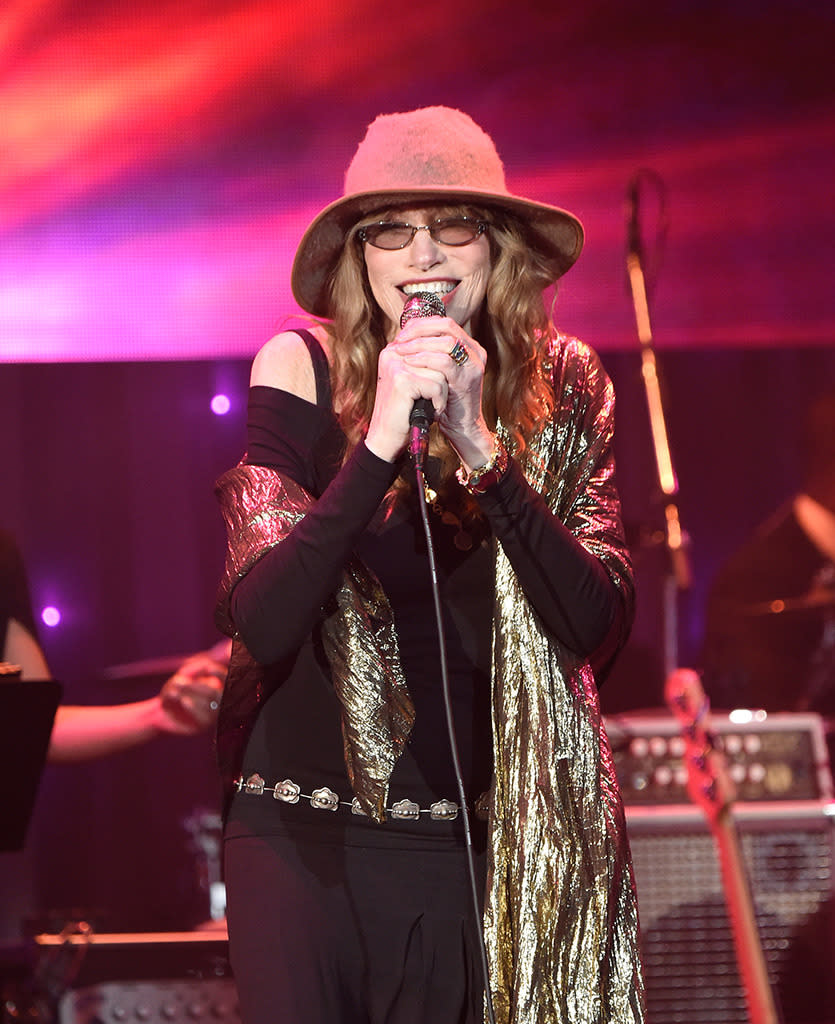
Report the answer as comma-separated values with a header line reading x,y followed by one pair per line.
x,y
478,480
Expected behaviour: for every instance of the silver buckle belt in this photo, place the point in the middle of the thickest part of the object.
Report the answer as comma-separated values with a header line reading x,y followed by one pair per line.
x,y
324,799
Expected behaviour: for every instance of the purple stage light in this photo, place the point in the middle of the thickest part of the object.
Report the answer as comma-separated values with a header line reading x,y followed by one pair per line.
x,y
51,616
221,405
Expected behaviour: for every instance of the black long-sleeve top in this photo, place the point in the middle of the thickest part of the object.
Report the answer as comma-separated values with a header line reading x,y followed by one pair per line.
x,y
278,605
567,585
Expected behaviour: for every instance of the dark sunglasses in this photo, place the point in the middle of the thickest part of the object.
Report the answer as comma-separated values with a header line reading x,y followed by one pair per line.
x,y
387,234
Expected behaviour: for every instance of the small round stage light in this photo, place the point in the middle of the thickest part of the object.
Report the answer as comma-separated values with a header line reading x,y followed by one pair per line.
x,y
221,405
51,616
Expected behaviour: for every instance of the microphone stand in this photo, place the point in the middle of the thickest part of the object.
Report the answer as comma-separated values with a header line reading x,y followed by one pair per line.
x,y
678,577
752,967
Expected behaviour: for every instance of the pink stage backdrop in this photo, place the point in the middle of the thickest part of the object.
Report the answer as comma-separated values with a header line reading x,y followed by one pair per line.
x,y
159,160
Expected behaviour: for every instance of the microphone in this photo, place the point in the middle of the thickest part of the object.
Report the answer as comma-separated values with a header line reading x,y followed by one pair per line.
x,y
423,413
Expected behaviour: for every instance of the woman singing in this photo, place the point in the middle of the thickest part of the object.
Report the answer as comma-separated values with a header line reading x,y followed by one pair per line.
x,y
349,898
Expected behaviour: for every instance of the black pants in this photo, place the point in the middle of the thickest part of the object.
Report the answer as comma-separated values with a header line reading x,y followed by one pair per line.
x,y
323,933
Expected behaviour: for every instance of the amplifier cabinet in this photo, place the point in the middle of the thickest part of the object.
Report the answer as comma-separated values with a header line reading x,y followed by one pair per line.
x,y
769,758
688,949
151,977
152,1002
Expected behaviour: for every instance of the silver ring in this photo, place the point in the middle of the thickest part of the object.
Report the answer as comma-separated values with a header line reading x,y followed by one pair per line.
x,y
459,355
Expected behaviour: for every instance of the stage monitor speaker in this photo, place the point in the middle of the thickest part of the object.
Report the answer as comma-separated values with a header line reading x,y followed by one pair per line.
x,y
688,949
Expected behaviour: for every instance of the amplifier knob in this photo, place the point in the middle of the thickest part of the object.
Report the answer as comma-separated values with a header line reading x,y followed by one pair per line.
x,y
639,747
732,743
778,778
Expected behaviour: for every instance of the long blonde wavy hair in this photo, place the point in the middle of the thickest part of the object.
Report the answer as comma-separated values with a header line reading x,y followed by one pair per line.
x,y
513,327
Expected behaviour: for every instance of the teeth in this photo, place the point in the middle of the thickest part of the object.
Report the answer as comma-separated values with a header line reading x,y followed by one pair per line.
x,y
437,287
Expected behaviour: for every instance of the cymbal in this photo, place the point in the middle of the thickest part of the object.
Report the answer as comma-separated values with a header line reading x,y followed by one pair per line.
x,y
817,600
166,665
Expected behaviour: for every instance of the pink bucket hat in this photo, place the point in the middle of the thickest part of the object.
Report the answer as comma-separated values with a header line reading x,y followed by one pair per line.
x,y
427,155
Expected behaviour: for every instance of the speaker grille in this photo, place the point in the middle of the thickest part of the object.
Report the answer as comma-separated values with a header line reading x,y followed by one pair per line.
x,y
689,954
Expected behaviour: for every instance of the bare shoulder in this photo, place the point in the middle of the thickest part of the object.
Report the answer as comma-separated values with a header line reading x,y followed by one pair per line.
x,y
284,362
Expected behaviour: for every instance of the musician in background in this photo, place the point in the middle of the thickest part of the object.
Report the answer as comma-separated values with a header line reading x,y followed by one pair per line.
x,y
770,643
186,704
770,632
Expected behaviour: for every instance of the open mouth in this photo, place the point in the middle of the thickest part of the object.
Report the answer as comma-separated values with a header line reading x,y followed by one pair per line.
x,y
441,288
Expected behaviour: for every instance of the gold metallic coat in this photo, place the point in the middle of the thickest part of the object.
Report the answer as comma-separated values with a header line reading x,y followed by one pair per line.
x,y
560,912
560,915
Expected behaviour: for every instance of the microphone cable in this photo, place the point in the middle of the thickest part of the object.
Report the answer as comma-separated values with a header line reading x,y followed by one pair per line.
x,y
478,907
418,305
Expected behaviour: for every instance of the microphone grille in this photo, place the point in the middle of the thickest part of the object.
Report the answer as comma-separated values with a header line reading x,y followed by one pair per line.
x,y
422,304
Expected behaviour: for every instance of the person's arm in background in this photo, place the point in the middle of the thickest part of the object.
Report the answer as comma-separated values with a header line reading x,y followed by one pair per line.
x,y
186,704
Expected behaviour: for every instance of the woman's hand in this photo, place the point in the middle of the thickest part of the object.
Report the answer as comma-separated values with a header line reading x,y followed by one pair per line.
x,y
434,358
402,378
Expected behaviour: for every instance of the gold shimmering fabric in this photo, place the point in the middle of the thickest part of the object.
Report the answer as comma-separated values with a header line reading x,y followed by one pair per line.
x,y
560,918
260,507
